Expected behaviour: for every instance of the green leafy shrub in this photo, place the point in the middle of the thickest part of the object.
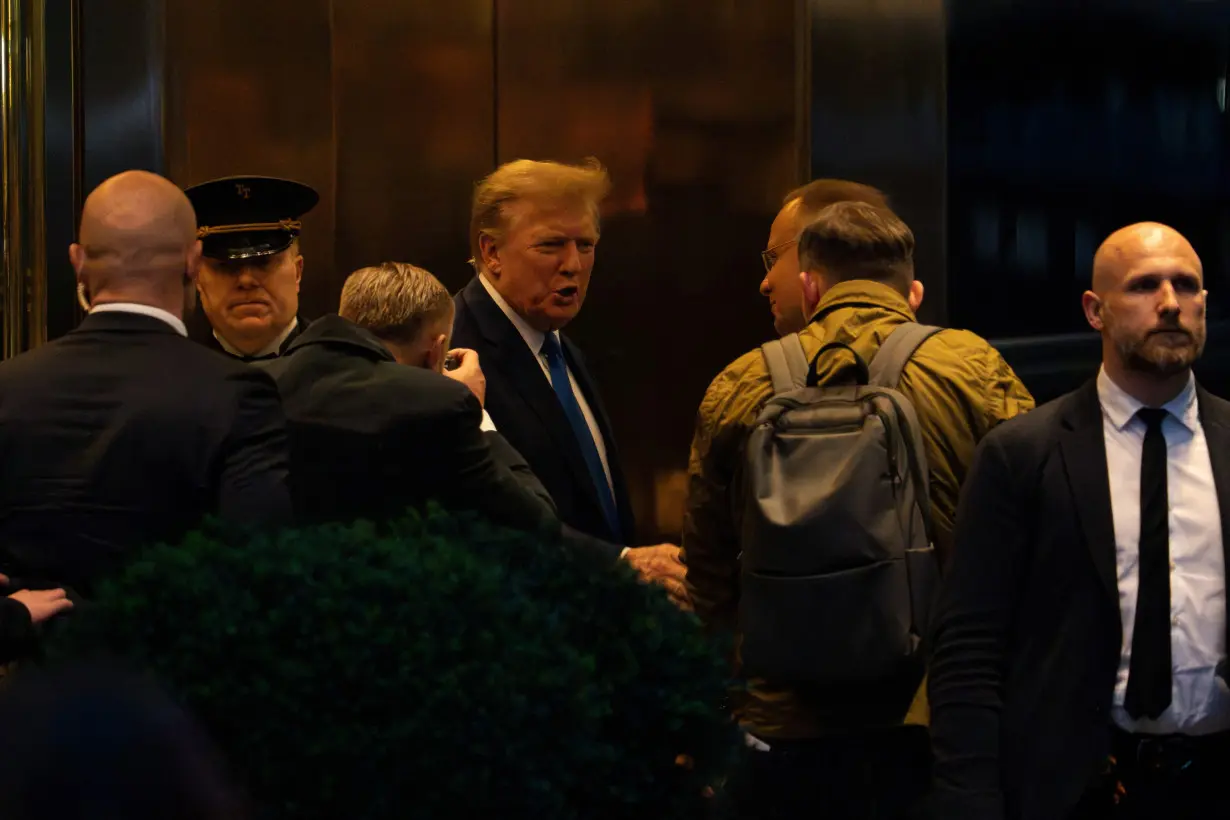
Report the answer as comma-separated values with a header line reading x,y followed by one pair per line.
x,y
434,667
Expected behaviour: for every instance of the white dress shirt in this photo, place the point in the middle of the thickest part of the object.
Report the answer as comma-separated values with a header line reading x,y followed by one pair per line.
x,y
271,349
1200,702
534,339
145,310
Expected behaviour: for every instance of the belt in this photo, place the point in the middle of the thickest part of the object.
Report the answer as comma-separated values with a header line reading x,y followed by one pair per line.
x,y
1167,754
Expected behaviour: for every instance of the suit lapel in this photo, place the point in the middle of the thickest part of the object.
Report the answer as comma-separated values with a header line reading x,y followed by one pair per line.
x,y
300,326
1083,448
1215,422
513,357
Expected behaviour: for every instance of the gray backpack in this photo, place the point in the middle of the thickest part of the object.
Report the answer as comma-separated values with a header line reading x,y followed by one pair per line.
x,y
838,569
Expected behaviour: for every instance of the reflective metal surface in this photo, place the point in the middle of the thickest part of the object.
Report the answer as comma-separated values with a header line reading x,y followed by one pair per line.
x,y
393,110
21,178
63,163
413,87
878,115
692,106
249,90
122,86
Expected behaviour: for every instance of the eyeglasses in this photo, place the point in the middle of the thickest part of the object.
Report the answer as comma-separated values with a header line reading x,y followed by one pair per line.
x,y
769,257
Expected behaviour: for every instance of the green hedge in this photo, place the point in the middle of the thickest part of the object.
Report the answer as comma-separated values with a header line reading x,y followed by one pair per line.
x,y
436,667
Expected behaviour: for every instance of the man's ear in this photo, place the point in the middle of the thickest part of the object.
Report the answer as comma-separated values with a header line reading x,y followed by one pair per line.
x,y
489,252
436,353
76,255
192,266
1092,306
916,294
812,292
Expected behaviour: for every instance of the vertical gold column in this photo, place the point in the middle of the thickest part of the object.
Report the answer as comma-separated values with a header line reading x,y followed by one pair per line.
x,y
24,283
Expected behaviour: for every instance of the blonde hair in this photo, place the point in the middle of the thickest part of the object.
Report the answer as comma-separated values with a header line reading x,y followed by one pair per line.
x,y
394,300
587,182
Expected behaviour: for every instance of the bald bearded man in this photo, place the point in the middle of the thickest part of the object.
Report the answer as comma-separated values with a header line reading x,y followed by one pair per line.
x,y
1079,665
123,432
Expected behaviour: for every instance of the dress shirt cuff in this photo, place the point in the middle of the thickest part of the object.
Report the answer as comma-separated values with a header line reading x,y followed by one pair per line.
x,y
623,552
487,426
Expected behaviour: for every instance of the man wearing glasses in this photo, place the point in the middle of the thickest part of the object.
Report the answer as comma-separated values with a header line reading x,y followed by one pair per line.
x,y
782,283
845,751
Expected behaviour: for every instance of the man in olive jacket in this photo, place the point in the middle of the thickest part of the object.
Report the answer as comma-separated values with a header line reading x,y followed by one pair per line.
x,y
847,752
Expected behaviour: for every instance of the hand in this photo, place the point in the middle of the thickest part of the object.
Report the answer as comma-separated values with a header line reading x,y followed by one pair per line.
x,y
43,603
661,565
468,372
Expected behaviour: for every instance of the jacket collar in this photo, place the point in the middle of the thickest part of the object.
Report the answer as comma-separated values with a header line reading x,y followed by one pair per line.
x,y
273,348
862,293
338,332
125,321
171,319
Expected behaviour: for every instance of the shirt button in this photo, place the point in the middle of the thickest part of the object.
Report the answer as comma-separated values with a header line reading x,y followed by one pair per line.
x,y
1172,565
1174,621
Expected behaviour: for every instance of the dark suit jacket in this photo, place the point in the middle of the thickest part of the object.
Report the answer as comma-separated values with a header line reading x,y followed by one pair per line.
x,y
121,433
18,638
524,408
371,437
204,333
1028,632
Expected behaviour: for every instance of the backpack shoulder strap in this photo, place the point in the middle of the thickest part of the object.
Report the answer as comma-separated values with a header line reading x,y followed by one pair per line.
x,y
787,363
890,359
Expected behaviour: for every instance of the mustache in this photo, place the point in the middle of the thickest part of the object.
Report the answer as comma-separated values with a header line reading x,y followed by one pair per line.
x,y
1171,327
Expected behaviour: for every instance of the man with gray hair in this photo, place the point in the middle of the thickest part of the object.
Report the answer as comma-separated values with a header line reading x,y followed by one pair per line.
x,y
847,750
376,426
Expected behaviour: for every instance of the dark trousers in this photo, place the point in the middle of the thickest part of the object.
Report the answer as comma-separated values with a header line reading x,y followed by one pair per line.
x,y
1170,778
877,775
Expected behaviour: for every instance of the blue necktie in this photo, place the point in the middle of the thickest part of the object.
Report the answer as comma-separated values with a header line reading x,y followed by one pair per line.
x,y
580,429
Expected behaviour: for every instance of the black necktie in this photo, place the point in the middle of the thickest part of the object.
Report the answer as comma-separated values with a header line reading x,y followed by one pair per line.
x,y
1148,689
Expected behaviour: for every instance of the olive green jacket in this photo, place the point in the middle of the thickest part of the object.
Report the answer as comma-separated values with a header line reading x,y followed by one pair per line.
x,y
960,386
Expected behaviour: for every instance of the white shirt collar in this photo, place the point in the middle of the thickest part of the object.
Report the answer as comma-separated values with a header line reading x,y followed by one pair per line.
x,y
1120,407
145,310
533,338
270,349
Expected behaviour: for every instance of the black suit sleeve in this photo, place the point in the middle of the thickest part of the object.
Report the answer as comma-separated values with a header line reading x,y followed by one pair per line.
x,y
507,456
481,482
255,460
971,629
17,635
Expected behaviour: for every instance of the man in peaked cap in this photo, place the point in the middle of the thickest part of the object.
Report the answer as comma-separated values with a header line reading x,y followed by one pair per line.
x,y
249,279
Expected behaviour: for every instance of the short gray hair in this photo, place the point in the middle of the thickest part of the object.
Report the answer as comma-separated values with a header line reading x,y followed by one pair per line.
x,y
855,240
394,300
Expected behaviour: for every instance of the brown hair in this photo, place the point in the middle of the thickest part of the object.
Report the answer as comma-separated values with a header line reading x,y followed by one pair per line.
x,y
818,194
854,240
587,183
394,300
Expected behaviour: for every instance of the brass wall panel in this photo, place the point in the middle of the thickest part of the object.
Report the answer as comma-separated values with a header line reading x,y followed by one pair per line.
x,y
415,129
249,90
692,106
22,229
